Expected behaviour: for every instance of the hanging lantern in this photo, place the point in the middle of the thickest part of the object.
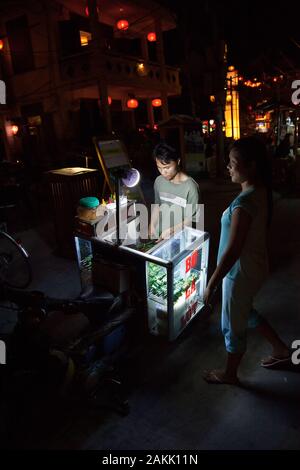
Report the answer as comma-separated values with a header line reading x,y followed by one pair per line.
x,y
132,103
122,25
109,99
151,37
156,103
228,98
1,44
212,98
14,129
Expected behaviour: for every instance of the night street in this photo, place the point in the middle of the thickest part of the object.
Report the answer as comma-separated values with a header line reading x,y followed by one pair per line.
x,y
170,404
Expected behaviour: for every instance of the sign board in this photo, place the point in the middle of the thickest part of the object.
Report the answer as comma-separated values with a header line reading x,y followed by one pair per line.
x,y
113,153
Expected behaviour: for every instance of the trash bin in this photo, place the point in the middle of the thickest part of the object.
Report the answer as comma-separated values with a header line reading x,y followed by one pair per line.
x,y
67,186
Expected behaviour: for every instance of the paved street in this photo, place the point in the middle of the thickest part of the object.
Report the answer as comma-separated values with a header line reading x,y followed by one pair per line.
x,y
171,407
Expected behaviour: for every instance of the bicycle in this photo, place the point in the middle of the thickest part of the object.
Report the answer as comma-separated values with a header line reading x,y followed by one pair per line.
x,y
15,268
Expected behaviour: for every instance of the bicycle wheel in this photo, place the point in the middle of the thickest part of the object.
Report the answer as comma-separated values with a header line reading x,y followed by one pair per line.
x,y
15,270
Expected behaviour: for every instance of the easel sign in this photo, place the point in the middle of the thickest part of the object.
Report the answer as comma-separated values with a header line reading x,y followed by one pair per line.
x,y
112,154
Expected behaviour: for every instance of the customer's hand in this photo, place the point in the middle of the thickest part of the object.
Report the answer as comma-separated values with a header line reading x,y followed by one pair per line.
x,y
207,296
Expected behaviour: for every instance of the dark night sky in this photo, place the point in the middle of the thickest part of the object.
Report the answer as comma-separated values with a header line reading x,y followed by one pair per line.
x,y
252,29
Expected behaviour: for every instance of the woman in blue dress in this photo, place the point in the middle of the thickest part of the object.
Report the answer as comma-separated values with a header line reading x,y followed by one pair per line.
x,y
242,259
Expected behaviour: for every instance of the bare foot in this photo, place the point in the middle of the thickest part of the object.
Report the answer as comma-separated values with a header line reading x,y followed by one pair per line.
x,y
219,377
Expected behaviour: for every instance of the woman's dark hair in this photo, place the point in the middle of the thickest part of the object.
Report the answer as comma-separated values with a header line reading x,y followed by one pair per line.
x,y
252,149
165,153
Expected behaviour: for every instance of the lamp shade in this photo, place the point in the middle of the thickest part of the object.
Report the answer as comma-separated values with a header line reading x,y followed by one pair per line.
x,y
151,37
131,178
122,25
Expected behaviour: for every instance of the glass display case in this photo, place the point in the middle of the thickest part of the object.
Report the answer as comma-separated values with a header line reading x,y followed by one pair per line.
x,y
176,272
175,291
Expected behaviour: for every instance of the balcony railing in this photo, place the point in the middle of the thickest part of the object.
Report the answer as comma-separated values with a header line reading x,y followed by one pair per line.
x,y
120,70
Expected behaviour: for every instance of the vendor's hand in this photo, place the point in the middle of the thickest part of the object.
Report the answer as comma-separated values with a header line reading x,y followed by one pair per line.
x,y
152,233
166,235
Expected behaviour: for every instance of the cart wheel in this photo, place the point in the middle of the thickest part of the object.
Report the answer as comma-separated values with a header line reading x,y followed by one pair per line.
x,y
15,269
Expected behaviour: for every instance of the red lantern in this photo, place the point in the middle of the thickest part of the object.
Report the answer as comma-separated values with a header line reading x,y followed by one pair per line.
x,y
151,37
122,25
1,44
109,99
156,103
132,103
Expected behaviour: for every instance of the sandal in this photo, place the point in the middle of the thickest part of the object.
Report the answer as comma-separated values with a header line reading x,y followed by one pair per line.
x,y
274,362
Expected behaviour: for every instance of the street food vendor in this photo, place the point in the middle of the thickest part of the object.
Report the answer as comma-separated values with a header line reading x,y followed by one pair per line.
x,y
176,194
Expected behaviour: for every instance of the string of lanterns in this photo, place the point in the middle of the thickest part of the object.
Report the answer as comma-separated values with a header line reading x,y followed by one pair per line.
x,y
255,83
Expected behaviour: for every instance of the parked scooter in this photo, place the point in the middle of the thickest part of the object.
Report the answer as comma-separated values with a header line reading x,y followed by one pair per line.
x,y
66,348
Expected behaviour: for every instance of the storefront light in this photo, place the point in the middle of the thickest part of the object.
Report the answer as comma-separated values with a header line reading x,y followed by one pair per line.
x,y
14,129
87,13
142,69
